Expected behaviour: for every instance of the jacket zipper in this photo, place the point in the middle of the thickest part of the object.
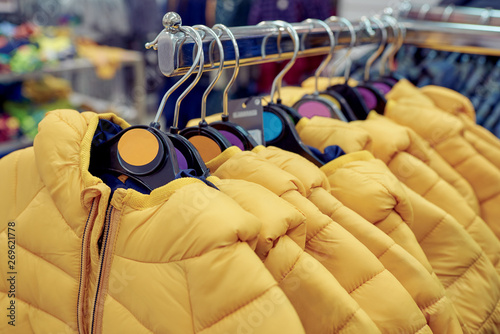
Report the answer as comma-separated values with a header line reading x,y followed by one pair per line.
x,y
98,297
80,311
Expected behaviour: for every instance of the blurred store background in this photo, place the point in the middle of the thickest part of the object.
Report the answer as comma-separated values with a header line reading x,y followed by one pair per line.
x,y
90,55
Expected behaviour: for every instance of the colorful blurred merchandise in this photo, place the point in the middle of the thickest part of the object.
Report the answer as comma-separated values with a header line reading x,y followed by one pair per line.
x,y
27,47
46,89
9,128
29,114
55,44
27,103
25,59
106,59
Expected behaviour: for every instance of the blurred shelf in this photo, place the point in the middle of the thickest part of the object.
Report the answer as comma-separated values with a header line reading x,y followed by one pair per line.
x,y
129,58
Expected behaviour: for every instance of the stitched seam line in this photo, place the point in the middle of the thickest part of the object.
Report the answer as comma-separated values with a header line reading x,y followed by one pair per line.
x,y
319,231
488,198
68,124
489,317
385,252
37,308
421,328
290,270
64,219
368,280
394,228
237,309
347,321
433,302
461,161
430,188
15,219
46,261
166,262
189,296
289,190
466,270
132,314
471,222
432,230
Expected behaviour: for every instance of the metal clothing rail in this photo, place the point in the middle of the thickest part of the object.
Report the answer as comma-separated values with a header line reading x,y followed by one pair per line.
x,y
466,38
451,13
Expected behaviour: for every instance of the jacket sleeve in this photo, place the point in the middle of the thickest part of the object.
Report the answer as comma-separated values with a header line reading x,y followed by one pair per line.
x,y
360,272
418,279
425,182
462,266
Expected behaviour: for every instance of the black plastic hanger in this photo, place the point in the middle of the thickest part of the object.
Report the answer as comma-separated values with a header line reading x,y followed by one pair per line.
x,y
371,90
227,128
124,154
283,132
203,129
353,98
288,138
314,104
143,153
386,81
189,157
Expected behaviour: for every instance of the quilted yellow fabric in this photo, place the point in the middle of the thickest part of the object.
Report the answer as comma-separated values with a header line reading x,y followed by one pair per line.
x,y
322,304
418,278
457,104
403,139
459,262
351,263
389,141
178,260
449,136
392,144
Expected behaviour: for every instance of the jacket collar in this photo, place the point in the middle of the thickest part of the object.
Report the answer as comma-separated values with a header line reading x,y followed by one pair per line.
x,y
340,162
309,175
62,153
321,132
246,165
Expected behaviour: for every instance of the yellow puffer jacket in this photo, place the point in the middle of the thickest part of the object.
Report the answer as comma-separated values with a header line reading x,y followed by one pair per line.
x,y
322,304
352,264
447,134
418,278
176,261
392,143
457,104
404,139
465,271
320,133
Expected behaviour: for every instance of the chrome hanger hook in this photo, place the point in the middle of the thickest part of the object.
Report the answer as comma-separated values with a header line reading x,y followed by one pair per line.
x,y
173,24
380,49
296,44
325,62
219,70
447,12
223,29
197,37
401,39
352,42
485,17
404,8
394,46
266,38
422,13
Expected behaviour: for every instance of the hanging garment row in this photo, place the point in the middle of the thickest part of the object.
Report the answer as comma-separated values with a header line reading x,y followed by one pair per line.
x,y
354,206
